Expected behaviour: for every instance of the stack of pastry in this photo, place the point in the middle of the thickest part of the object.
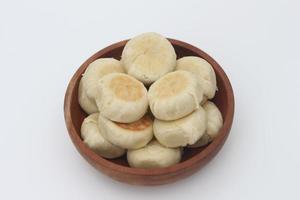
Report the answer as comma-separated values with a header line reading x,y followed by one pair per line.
x,y
115,95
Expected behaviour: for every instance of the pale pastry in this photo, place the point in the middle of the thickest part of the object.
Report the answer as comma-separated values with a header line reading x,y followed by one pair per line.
x,y
175,95
148,56
93,138
181,132
153,155
96,70
87,104
203,71
214,124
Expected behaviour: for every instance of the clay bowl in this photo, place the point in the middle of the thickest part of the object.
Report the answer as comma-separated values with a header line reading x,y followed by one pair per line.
x,y
118,169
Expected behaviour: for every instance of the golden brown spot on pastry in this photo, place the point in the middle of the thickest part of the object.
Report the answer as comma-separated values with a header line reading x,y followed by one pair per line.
x,y
141,124
171,85
126,88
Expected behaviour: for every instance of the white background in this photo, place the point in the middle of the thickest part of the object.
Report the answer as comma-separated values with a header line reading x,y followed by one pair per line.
x,y
257,43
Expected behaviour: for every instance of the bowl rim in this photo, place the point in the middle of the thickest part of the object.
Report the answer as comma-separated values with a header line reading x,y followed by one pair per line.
x,y
103,163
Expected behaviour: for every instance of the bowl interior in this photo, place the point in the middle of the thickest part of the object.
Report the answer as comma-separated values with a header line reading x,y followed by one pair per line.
x,y
221,99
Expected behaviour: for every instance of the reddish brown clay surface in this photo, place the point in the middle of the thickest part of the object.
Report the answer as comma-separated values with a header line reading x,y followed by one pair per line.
x,y
118,169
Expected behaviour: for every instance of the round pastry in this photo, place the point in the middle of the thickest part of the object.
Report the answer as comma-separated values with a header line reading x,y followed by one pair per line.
x,y
87,104
93,138
97,70
175,95
148,56
203,71
153,155
214,124
128,136
121,98
181,132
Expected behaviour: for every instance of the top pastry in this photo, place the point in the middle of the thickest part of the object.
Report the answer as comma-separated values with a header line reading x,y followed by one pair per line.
x,y
148,56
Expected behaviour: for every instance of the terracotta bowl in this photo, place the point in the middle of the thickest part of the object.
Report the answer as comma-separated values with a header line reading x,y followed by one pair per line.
x,y
193,159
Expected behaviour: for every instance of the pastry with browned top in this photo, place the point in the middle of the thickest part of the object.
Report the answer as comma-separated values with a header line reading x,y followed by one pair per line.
x,y
127,135
121,98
